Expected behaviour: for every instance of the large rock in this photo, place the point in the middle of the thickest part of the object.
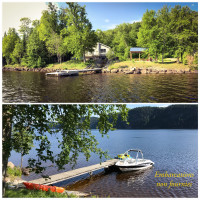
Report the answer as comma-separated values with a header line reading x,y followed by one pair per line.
x,y
77,193
121,70
26,171
7,180
11,165
181,71
15,182
18,182
129,72
169,71
106,71
132,69
114,70
138,71
174,71
161,71
143,71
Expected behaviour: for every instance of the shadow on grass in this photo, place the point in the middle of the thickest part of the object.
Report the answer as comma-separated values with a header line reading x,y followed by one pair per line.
x,y
171,62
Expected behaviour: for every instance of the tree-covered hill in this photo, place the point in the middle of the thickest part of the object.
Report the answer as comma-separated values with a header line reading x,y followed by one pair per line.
x,y
171,117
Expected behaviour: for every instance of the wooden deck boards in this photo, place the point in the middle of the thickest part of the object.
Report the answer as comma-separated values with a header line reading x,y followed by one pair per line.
x,y
74,173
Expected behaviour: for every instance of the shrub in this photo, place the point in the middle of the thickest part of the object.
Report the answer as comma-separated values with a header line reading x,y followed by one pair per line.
x,y
50,65
16,171
24,61
196,58
110,55
189,59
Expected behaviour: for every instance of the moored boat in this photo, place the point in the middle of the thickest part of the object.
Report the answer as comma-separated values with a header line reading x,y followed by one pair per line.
x,y
129,163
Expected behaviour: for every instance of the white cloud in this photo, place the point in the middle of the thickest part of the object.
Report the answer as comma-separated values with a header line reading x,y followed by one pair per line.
x,y
107,20
14,11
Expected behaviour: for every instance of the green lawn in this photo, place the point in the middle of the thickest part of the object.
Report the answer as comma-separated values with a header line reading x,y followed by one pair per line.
x,y
71,64
25,193
15,66
168,64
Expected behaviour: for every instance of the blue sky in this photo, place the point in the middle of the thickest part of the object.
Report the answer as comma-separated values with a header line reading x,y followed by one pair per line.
x,y
103,15
106,15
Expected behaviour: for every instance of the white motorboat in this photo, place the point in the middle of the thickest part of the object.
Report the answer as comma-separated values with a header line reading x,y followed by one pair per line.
x,y
128,163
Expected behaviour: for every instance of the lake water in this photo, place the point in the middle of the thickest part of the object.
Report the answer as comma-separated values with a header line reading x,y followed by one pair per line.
x,y
173,151
111,88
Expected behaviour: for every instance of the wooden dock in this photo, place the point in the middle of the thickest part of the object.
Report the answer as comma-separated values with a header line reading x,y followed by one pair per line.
x,y
72,72
74,173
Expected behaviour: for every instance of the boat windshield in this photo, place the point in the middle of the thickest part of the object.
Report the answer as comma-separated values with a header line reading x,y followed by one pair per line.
x,y
134,153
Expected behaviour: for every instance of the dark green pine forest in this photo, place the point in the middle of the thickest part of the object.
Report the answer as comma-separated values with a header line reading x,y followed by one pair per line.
x,y
171,117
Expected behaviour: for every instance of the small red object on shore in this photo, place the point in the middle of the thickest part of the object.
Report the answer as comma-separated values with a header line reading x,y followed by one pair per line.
x,y
33,186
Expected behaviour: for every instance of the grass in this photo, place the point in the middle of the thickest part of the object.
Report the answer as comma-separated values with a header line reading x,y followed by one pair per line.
x,y
25,193
15,66
168,64
71,64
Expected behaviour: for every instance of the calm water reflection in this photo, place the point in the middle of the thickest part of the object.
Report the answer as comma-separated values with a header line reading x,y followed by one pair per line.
x,y
174,151
35,87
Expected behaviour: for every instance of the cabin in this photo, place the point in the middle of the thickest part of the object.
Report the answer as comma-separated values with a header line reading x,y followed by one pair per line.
x,y
137,50
99,52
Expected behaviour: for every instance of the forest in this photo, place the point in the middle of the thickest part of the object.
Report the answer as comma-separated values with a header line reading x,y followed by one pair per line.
x,y
171,117
64,34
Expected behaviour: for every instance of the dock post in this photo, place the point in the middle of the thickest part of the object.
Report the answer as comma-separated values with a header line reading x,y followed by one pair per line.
x,y
90,173
106,169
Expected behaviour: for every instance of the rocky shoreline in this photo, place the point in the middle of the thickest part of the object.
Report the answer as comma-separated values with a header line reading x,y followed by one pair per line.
x,y
149,71
119,70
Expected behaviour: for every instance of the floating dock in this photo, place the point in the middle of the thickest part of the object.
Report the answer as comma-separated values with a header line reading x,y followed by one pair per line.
x,y
72,72
74,173
64,73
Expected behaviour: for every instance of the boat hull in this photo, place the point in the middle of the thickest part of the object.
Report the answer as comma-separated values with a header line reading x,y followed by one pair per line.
x,y
135,168
133,165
